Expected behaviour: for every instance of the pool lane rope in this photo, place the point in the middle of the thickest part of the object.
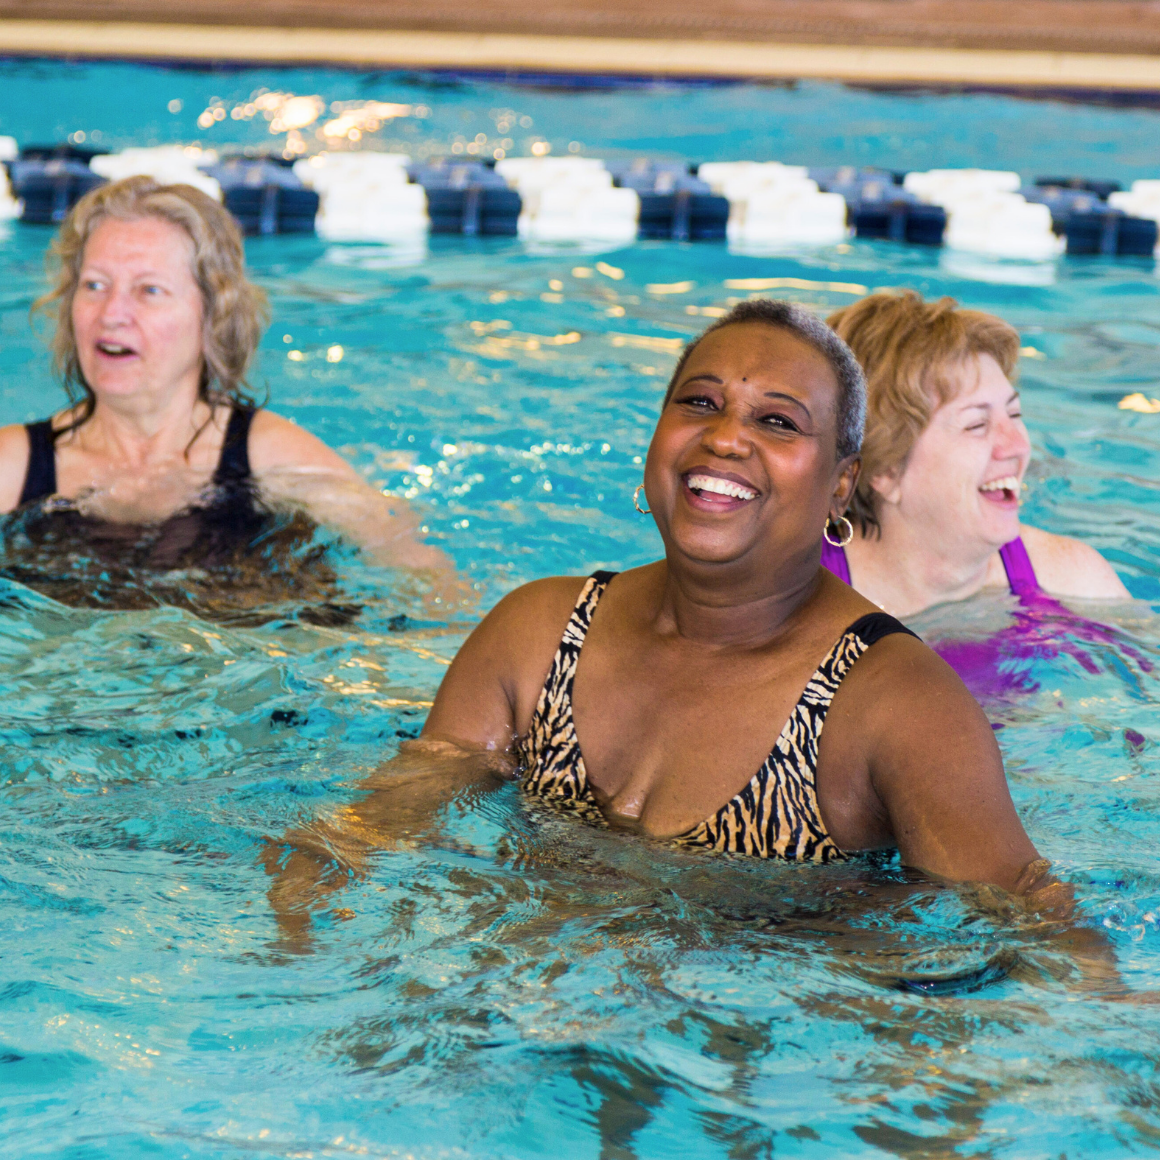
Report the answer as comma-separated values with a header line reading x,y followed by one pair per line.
x,y
755,205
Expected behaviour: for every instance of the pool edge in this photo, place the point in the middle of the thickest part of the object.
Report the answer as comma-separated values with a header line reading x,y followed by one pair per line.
x,y
610,56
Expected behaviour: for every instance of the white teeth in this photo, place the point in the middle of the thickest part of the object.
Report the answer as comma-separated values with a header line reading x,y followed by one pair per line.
x,y
720,487
113,348
1007,483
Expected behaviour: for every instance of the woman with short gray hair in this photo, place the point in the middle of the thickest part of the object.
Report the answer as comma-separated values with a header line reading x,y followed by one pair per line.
x,y
646,700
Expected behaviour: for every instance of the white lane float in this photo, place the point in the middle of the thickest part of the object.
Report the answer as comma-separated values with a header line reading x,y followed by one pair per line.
x,y
570,199
771,204
987,215
365,197
9,204
169,164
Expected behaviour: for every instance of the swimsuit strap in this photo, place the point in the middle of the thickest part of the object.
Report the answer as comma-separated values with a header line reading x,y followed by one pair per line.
x,y
1020,571
777,815
834,560
1016,563
233,469
550,753
40,478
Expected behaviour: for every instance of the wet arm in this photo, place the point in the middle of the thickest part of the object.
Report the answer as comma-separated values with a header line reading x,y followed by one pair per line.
x,y
14,456
295,469
937,770
466,743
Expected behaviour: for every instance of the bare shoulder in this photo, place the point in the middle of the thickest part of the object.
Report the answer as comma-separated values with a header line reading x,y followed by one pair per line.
x,y
898,671
1069,567
14,455
531,619
902,697
492,687
278,443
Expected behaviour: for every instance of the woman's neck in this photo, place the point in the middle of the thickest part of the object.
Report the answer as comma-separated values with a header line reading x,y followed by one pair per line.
x,y
907,569
726,605
143,432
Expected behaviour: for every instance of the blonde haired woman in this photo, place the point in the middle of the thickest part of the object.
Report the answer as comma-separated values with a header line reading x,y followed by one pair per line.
x,y
156,327
935,516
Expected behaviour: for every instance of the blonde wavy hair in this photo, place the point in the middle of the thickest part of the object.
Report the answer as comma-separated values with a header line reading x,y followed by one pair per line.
x,y
234,310
910,350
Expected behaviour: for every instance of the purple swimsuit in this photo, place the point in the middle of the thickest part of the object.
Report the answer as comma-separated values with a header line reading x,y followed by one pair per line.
x,y
1016,562
998,666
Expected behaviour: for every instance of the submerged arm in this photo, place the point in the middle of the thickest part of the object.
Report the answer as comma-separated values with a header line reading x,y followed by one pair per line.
x,y
400,802
467,742
295,469
937,774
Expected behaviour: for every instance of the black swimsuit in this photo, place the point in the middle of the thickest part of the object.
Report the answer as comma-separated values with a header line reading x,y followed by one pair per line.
x,y
207,533
233,469
776,815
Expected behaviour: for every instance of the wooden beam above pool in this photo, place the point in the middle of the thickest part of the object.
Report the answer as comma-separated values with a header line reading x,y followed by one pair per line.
x,y
609,55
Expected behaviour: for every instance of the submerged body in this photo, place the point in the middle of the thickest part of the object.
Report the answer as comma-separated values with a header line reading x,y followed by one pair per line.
x,y
936,510
165,459
684,701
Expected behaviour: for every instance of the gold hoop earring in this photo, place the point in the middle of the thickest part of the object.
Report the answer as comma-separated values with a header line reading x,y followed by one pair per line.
x,y
846,534
636,502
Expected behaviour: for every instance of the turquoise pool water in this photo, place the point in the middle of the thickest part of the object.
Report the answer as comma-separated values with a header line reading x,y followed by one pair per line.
x,y
505,986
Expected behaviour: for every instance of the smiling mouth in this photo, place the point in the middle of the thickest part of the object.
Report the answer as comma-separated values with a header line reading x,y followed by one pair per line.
x,y
1008,486
710,485
115,349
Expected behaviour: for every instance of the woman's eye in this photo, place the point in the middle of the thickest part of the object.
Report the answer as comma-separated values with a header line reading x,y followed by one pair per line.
x,y
780,422
701,401
978,426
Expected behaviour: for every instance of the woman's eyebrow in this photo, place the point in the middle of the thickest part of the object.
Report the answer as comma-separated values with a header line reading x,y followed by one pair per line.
x,y
789,399
704,376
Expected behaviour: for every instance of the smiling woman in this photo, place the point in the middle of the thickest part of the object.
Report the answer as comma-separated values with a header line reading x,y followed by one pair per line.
x,y
937,502
163,451
733,696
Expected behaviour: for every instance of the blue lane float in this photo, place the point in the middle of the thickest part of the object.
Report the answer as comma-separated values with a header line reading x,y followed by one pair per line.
x,y
389,198
467,197
265,195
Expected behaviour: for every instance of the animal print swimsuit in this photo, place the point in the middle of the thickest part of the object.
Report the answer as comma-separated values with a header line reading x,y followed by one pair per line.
x,y
775,816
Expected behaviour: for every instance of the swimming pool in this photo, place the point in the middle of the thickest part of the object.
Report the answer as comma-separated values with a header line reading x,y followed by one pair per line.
x,y
509,987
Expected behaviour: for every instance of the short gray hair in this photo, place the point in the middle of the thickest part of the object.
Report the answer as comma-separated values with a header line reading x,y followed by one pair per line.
x,y
813,331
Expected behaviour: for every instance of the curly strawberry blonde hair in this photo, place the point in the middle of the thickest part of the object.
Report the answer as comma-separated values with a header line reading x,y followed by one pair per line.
x,y
910,350
235,311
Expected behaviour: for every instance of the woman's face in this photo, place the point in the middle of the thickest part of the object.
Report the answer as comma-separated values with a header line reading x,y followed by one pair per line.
x,y
743,463
965,471
137,312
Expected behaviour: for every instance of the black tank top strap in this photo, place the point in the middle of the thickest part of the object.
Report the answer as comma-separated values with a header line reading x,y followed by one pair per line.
x,y
872,627
40,478
233,469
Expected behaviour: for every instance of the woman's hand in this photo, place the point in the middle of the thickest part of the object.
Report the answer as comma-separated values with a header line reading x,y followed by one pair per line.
x,y
400,803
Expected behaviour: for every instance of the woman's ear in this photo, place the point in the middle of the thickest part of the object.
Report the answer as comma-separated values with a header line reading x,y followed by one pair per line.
x,y
847,481
887,484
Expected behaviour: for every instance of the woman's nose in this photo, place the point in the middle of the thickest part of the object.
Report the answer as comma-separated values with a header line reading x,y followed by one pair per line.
x,y
1011,439
116,307
725,435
